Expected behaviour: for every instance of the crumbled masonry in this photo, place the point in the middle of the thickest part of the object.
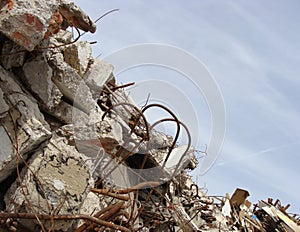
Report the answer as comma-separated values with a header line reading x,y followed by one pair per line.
x,y
77,154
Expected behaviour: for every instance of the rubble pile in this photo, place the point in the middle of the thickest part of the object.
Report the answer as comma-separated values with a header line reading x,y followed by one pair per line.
x,y
76,153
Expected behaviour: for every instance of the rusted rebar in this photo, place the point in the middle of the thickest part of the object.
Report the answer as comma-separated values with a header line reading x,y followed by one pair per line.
x,y
63,217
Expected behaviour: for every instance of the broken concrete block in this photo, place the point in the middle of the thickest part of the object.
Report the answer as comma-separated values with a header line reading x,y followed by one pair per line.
x,y
71,84
24,122
91,204
30,136
179,159
13,55
23,102
38,74
6,149
105,134
64,112
98,74
26,24
63,36
78,56
3,106
57,180
75,16
158,140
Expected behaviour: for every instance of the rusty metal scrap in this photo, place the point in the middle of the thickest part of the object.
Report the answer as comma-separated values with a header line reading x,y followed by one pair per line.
x,y
56,172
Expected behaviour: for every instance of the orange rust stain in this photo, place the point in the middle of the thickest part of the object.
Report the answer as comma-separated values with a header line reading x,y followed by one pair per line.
x,y
33,22
55,24
38,25
22,40
29,18
9,3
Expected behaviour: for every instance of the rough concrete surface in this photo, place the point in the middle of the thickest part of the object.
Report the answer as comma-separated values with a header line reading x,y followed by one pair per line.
x,y
77,154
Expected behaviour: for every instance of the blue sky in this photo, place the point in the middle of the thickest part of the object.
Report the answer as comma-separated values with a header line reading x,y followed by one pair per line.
x,y
251,48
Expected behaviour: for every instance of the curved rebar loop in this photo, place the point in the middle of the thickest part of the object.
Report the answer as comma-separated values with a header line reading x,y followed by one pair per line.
x,y
188,145
170,149
175,119
119,161
184,153
177,134
119,151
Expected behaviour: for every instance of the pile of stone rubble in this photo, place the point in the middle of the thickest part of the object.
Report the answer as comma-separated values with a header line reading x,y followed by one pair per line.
x,y
76,153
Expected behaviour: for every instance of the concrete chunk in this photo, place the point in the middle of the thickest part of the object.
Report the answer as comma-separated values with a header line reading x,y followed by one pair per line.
x,y
24,122
98,74
38,76
30,136
26,24
78,55
13,55
3,106
76,16
14,95
6,147
58,180
71,84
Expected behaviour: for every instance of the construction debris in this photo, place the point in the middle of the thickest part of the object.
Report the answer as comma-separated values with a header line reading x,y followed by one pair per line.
x,y
77,154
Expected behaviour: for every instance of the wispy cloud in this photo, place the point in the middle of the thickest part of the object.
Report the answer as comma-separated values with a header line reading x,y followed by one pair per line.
x,y
245,157
252,49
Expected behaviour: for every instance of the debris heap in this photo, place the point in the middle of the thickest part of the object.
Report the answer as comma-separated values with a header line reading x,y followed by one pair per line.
x,y
78,155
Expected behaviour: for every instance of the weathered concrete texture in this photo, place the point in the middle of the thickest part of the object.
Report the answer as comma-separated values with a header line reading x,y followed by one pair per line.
x,y
30,136
179,160
71,84
6,150
58,179
64,112
63,36
14,95
76,16
23,123
98,74
26,24
38,76
78,55
103,134
3,106
13,55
